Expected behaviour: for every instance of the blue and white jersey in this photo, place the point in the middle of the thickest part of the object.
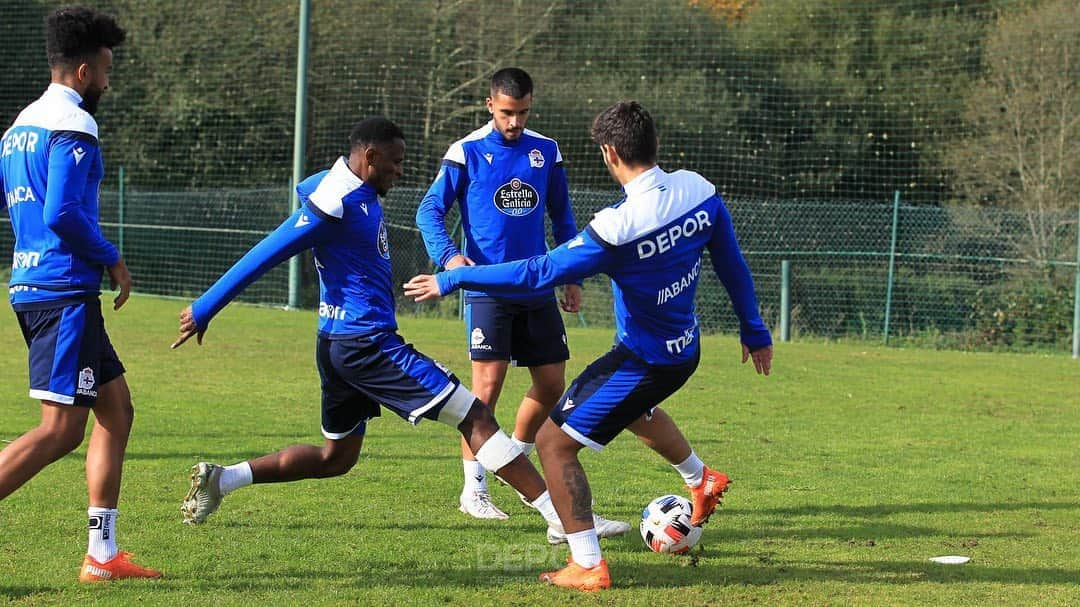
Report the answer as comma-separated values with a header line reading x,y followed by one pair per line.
x,y
342,220
505,188
50,170
650,245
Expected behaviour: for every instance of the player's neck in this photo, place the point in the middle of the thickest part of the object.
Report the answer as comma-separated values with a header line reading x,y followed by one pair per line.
x,y
69,80
625,173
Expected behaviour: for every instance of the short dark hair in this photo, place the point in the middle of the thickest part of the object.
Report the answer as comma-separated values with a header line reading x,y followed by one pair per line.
x,y
627,127
512,81
374,131
75,33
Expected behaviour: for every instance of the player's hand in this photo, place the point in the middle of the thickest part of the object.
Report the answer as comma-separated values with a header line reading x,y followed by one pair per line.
x,y
120,278
762,358
422,288
188,328
457,261
571,299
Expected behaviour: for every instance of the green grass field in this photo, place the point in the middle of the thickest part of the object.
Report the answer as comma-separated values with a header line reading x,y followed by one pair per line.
x,y
853,463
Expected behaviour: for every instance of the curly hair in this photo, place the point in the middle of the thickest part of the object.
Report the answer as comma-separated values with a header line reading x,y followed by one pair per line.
x,y
76,33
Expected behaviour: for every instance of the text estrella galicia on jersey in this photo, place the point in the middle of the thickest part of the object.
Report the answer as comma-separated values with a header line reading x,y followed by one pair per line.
x,y
516,198
536,159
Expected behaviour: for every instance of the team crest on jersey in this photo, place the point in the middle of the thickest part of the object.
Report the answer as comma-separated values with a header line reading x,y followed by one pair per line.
x,y
516,198
86,382
536,159
384,241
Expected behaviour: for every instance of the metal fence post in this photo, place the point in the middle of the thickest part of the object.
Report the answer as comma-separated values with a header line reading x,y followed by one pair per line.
x,y
299,138
892,263
1076,293
120,209
785,300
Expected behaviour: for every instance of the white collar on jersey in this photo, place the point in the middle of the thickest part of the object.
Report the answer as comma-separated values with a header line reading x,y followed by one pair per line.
x,y
344,174
71,94
645,181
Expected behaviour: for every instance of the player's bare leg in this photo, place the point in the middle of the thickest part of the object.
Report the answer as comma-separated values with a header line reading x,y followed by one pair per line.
x,y
298,462
477,429
113,416
548,384
707,486
211,482
59,432
487,383
570,493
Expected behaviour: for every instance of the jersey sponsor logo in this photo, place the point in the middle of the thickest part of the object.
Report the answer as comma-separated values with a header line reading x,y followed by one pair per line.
x,y
19,193
383,241
536,159
78,153
25,259
516,198
86,383
331,311
489,157
680,343
665,240
577,242
301,221
26,141
677,287
477,340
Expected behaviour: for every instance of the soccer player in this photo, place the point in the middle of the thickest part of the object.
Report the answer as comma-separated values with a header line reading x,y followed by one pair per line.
x,y
362,360
650,244
50,169
506,178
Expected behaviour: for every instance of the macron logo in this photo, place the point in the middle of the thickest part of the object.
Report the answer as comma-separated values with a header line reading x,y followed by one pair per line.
x,y
489,158
569,404
78,153
301,221
363,207
577,242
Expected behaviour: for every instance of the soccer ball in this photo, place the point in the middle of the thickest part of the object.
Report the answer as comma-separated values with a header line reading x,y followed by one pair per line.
x,y
665,525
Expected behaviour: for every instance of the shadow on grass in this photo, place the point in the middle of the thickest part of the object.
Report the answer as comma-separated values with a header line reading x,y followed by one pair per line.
x,y
14,593
488,573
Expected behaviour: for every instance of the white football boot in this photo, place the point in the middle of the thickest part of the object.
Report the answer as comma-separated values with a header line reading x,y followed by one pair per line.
x,y
477,504
204,497
604,528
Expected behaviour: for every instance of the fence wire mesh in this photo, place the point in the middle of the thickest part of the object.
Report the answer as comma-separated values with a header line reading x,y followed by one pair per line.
x,y
809,116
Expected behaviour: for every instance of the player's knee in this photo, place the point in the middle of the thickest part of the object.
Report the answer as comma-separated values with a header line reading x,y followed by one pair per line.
x,y
480,419
339,461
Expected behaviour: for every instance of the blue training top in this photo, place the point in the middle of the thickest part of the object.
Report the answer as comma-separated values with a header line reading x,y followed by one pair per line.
x,y
505,187
50,171
342,220
650,245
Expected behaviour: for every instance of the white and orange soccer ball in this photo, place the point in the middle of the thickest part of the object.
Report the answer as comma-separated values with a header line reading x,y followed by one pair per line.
x,y
665,525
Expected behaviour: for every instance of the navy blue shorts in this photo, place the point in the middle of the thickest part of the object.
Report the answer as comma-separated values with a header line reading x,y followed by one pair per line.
x,y
530,334
361,373
70,352
613,392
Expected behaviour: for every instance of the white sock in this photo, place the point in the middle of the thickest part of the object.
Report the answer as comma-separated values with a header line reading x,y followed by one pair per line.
x,y
526,448
102,524
475,476
585,548
692,470
235,476
547,509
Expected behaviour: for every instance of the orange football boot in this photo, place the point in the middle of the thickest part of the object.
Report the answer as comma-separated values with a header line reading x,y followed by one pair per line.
x,y
576,576
707,495
118,567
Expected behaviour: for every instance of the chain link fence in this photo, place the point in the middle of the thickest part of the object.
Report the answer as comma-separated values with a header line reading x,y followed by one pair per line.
x,y
811,118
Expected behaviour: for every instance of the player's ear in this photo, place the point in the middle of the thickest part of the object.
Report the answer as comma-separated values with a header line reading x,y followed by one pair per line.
x,y
490,109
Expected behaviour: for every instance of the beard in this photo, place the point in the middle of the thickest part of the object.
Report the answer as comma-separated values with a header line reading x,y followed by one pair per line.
x,y
91,98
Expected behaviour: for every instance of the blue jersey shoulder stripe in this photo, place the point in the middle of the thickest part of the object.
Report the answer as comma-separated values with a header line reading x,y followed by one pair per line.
x,y
77,135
